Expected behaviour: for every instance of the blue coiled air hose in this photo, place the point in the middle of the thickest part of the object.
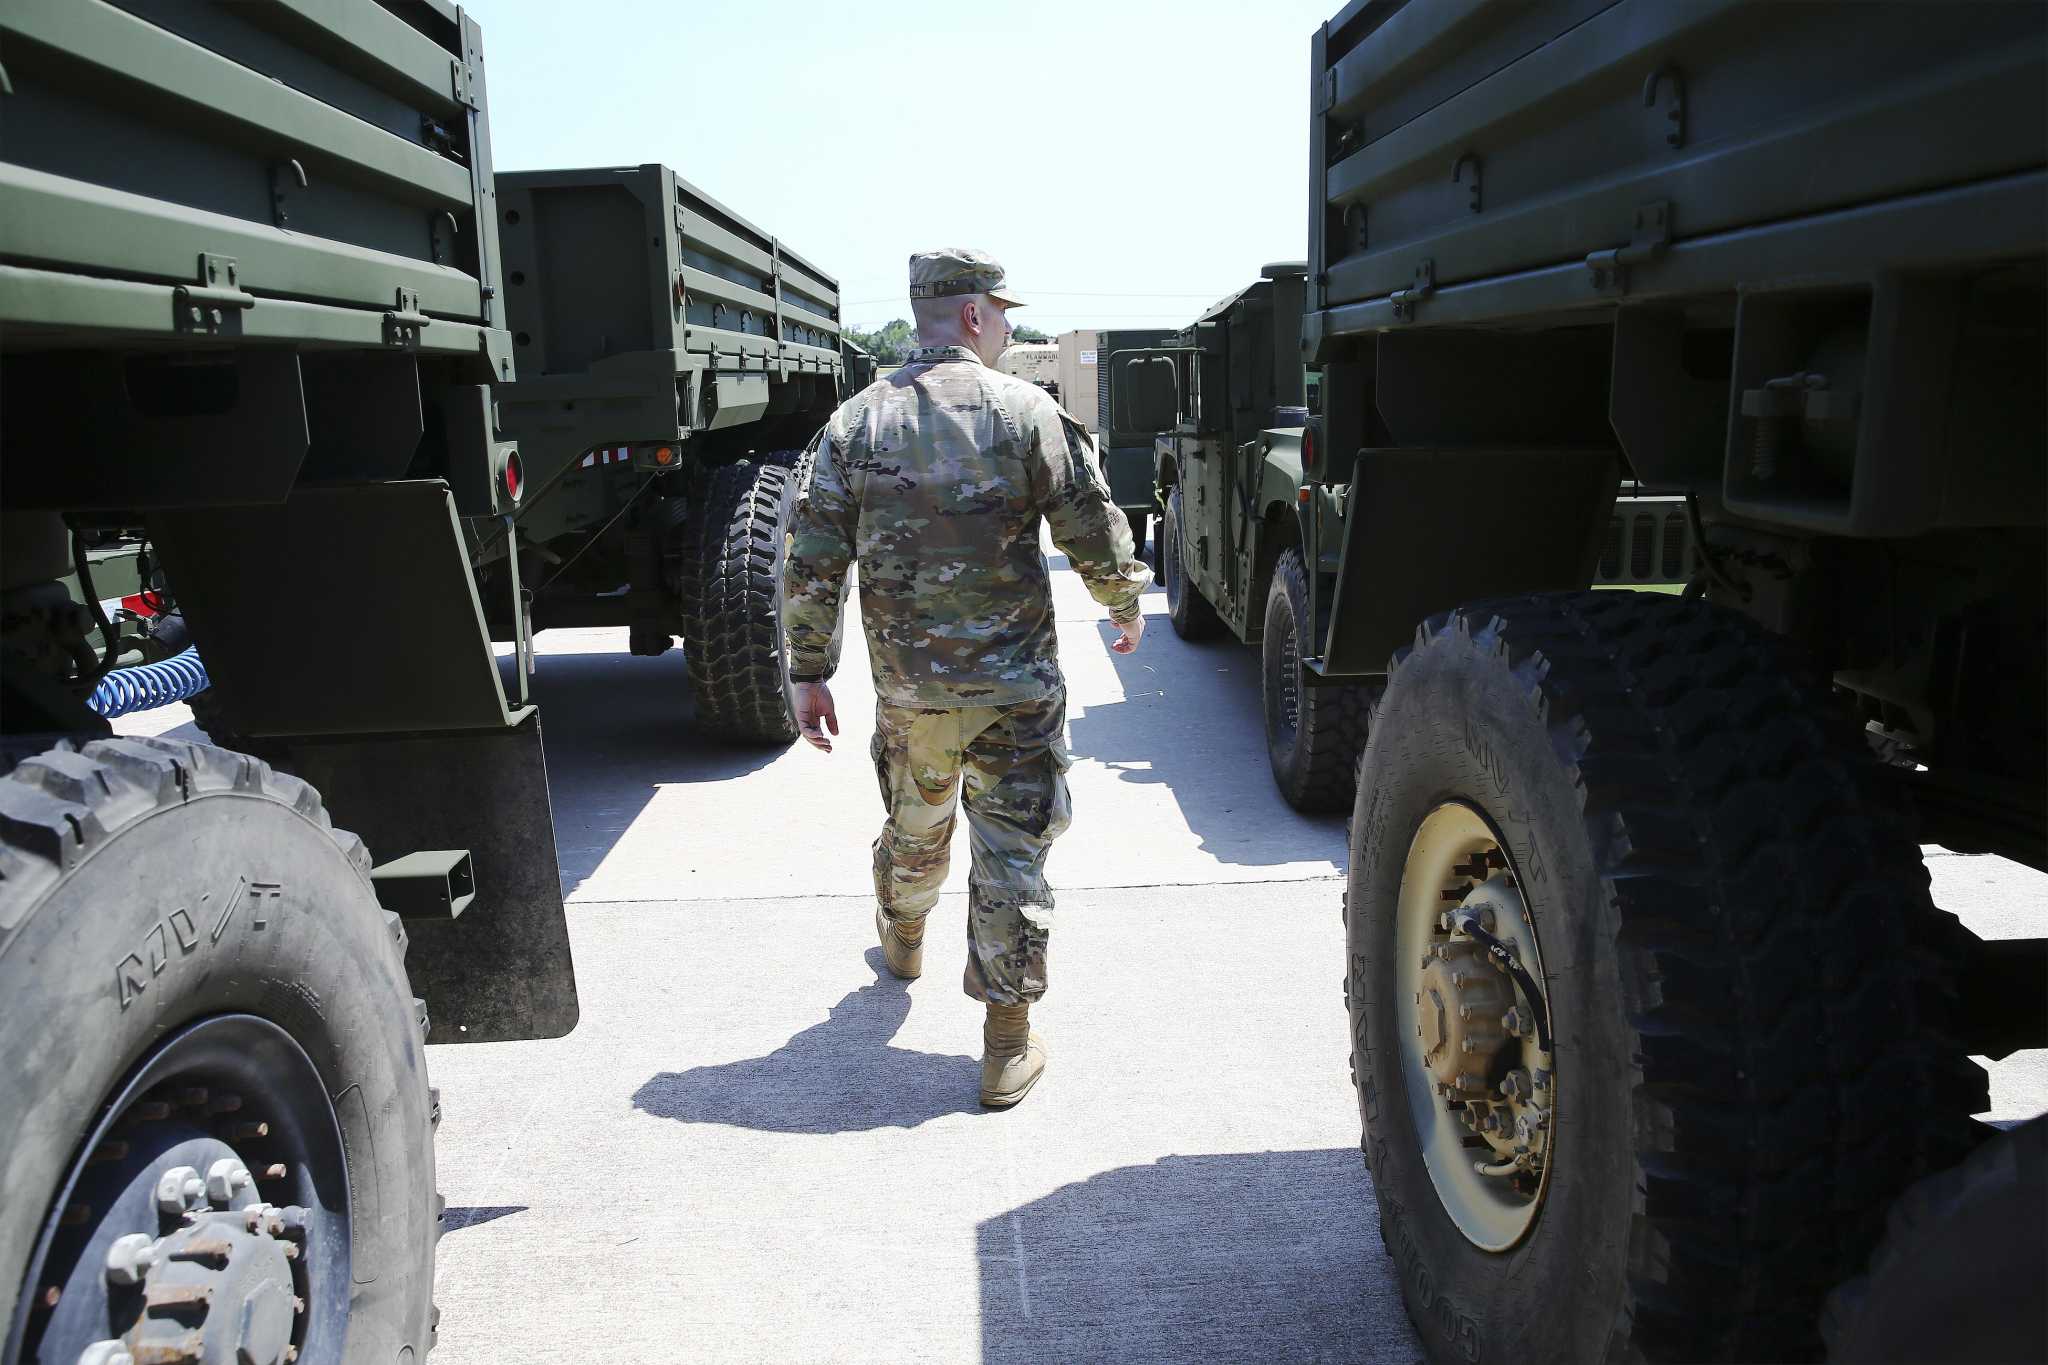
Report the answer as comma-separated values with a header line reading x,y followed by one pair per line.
x,y
148,686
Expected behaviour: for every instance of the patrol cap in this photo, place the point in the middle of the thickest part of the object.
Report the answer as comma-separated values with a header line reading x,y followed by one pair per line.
x,y
959,270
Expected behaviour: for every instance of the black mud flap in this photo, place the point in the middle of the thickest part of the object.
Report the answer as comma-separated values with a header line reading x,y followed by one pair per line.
x,y
501,969
1426,530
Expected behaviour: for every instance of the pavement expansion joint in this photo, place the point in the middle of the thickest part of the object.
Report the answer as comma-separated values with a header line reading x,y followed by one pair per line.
x,y
866,897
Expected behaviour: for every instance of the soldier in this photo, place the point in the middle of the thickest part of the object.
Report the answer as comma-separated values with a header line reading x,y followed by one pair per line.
x,y
935,481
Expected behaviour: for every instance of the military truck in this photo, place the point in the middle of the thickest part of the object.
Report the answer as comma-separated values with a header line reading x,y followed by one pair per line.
x,y
1247,544
1661,1048
252,320
673,360
1125,453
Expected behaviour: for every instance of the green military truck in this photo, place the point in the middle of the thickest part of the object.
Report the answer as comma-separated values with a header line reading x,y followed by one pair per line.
x,y
673,361
252,323
1125,453
1661,1048
1248,544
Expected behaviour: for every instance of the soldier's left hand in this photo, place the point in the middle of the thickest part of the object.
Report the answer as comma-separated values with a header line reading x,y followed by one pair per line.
x,y
812,702
1128,635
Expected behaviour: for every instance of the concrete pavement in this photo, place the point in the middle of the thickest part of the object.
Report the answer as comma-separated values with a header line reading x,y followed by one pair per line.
x,y
753,1147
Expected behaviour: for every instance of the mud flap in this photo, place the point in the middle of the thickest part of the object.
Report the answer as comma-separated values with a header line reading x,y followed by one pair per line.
x,y
395,709
1426,530
501,970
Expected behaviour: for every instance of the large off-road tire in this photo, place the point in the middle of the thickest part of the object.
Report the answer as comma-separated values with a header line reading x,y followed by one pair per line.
x,y
736,541
1958,1275
1729,924
196,974
1313,734
1192,616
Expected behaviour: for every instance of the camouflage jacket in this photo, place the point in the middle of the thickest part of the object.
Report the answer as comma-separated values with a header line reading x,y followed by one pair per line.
x,y
935,481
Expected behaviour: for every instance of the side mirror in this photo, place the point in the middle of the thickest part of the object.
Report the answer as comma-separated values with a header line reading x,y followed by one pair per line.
x,y
1144,392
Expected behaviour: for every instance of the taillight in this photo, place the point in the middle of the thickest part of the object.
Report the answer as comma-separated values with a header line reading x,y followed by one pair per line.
x,y
1308,452
515,477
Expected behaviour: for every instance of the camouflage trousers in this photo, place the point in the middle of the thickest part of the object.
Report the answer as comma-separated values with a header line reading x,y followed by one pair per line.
x,y
1012,763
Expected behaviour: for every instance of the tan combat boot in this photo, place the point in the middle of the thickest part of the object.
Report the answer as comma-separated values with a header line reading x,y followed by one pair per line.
x,y
1013,1057
902,944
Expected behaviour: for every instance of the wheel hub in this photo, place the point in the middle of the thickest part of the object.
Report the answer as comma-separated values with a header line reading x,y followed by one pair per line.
x,y
219,1287
162,1245
1483,1096
1460,1007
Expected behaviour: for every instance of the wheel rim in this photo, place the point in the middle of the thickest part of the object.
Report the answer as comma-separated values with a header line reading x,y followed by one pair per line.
x,y
206,1217
1481,1086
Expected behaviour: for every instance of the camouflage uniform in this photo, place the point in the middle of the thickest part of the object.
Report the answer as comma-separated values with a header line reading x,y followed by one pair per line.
x,y
935,480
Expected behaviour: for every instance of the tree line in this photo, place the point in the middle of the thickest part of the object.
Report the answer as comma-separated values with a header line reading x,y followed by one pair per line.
x,y
893,341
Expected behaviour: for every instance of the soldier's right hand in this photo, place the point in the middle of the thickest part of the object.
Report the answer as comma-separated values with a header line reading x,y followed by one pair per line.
x,y
814,713
1132,631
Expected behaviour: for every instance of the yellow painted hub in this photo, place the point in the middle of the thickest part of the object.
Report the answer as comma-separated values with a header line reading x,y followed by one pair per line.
x,y
1481,1091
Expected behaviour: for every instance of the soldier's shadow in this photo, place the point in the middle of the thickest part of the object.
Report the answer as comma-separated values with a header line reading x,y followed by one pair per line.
x,y
839,1076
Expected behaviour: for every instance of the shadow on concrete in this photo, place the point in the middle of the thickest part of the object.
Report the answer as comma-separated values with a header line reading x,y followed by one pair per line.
x,y
469,1216
619,727
840,1076
1245,1256
1192,720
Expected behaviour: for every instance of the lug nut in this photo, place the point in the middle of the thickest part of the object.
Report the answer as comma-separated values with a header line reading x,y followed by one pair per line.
x,y
225,1179
1516,1084
177,1190
276,1172
1514,1022
130,1258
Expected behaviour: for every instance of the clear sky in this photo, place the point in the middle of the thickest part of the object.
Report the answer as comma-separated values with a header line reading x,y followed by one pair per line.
x,y
1129,161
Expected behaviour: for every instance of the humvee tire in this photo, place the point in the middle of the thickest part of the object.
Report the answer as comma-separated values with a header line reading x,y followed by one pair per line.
x,y
1691,854
195,963
1192,616
736,539
1313,734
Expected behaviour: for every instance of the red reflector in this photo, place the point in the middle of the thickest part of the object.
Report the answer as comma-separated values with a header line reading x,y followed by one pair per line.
x,y
515,477
1308,451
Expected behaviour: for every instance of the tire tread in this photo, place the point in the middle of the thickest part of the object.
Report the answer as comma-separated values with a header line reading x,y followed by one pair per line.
x,y
731,601
1776,943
